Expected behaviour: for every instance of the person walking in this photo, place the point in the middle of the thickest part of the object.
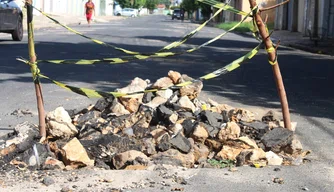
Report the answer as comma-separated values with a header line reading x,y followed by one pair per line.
x,y
89,10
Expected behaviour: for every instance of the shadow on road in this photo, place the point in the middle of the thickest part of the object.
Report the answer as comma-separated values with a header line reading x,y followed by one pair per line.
x,y
307,77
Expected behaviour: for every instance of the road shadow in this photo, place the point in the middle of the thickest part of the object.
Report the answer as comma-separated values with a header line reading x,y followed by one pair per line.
x,y
307,77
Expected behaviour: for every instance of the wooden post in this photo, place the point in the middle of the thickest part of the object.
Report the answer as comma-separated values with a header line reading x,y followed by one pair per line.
x,y
32,56
276,70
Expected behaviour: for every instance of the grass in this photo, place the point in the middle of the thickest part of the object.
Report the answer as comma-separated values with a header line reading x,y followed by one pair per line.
x,y
242,28
221,163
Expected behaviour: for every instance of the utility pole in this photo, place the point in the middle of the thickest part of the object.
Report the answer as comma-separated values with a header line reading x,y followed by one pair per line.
x,y
34,70
275,67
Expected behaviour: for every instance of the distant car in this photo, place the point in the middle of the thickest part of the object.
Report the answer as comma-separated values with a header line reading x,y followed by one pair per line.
x,y
11,19
176,14
128,12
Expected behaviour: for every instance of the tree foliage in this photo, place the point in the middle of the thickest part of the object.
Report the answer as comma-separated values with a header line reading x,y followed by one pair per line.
x,y
190,5
131,3
166,2
151,4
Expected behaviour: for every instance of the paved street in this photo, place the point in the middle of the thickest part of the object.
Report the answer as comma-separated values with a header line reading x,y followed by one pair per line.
x,y
307,78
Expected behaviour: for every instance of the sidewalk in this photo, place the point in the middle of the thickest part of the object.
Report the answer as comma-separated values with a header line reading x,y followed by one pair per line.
x,y
41,21
298,41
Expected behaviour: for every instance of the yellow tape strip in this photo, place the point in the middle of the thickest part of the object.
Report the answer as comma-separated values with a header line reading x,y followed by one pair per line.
x,y
139,57
93,93
167,47
218,5
270,50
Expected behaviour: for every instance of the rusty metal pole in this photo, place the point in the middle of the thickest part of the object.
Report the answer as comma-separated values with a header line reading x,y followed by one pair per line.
x,y
32,56
276,70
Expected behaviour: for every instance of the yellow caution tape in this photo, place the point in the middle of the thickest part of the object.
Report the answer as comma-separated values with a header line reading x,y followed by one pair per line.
x,y
270,49
93,93
167,47
125,59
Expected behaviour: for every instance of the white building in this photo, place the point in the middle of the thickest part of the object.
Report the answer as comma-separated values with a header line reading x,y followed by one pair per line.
x,y
73,7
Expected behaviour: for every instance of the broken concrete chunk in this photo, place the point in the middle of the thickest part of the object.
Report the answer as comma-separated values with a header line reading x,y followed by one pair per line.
x,y
165,93
102,104
270,116
130,104
163,82
193,90
248,141
276,139
174,76
136,85
181,143
231,131
76,155
293,125
200,134
228,152
212,118
157,101
123,159
25,133
201,153
174,157
273,159
185,103
87,117
188,127
59,124
148,97
118,109
52,164
294,146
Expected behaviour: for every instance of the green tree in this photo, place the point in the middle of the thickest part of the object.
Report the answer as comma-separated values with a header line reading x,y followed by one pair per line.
x,y
190,6
166,2
151,4
131,3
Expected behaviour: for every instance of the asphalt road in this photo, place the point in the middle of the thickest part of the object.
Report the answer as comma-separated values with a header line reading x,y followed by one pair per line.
x,y
307,78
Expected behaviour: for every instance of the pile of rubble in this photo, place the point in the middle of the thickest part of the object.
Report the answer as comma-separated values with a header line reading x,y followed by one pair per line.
x,y
165,127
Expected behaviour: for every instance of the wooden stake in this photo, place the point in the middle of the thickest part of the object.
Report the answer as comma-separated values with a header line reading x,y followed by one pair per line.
x,y
276,70
32,56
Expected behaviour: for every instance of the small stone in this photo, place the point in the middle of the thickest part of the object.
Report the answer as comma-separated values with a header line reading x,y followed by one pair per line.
x,y
248,141
163,82
213,145
273,159
185,103
52,163
175,129
65,189
305,189
278,180
174,76
277,169
200,134
48,181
